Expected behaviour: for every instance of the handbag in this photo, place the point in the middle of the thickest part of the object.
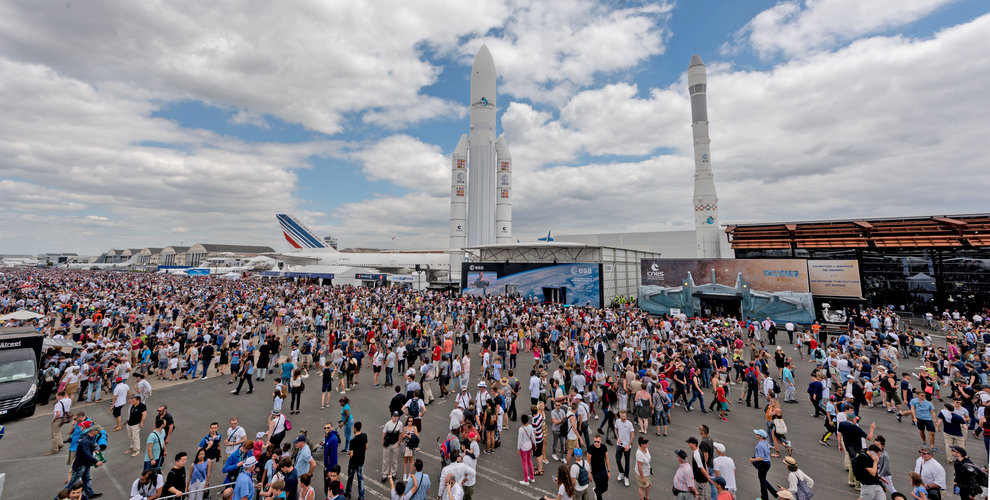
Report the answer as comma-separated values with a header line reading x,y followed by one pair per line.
x,y
779,426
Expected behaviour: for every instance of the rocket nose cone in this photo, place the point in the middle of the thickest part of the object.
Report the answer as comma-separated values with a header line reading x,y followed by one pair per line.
x,y
483,59
696,61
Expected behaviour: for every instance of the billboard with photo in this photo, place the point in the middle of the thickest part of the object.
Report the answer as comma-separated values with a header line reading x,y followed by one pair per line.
x,y
771,275
576,284
835,278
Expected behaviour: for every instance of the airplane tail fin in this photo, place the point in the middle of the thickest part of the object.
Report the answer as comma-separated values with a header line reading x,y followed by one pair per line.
x,y
298,235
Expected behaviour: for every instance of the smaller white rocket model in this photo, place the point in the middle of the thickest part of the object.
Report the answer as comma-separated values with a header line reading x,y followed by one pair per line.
x,y
480,173
706,227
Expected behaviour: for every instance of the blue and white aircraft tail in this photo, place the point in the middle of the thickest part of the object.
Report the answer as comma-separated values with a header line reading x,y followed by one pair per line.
x,y
300,236
548,237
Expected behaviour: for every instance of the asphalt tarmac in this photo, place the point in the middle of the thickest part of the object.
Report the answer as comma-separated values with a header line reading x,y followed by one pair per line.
x,y
30,474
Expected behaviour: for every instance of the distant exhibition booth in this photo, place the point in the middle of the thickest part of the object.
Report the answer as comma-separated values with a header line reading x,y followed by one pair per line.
x,y
780,289
577,274
919,263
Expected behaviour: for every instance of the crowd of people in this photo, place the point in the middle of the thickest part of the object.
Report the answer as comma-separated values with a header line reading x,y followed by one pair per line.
x,y
598,384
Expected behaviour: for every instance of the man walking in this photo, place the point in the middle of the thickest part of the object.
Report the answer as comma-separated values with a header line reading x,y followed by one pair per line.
x,y
135,422
624,431
59,418
601,470
85,459
355,466
390,444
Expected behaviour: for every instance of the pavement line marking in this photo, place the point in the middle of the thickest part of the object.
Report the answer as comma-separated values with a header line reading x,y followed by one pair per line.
x,y
113,481
489,477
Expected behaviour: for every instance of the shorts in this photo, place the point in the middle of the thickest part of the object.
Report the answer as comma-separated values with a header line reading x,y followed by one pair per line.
x,y
572,444
926,425
376,369
408,452
643,482
892,397
327,387
538,449
116,411
723,405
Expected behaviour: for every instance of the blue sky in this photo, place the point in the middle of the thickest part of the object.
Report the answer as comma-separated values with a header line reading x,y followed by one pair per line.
x,y
147,125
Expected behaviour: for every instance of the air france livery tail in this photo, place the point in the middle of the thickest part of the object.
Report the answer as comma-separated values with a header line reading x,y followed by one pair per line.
x,y
298,235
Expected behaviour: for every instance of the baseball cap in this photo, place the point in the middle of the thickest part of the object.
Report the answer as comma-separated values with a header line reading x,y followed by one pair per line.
x,y
86,424
300,439
259,435
119,379
396,414
720,447
578,453
482,384
959,449
760,432
681,453
719,480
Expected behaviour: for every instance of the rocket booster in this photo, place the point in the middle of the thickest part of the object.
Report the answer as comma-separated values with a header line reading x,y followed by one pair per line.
x,y
705,201
503,205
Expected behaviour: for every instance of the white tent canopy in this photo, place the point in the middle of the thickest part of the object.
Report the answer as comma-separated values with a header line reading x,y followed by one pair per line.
x,y
21,315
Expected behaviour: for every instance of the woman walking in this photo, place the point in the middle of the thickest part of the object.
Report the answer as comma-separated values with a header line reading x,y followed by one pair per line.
x,y
644,408
296,387
761,461
798,483
410,441
346,422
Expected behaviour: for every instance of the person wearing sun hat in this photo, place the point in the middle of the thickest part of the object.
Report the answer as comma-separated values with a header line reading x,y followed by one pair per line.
x,y
761,461
796,476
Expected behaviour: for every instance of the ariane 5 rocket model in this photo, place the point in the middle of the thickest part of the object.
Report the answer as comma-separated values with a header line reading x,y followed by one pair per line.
x,y
480,174
707,232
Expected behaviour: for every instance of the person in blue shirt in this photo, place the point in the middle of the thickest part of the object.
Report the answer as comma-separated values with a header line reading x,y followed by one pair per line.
x,y
331,440
419,486
244,486
921,414
235,462
761,461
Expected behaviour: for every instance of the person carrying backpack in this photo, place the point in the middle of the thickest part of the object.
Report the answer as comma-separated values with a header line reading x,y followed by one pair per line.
x,y
581,476
798,483
969,477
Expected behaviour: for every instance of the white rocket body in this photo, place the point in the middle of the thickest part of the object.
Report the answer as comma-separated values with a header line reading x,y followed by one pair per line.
x,y
458,206
485,216
706,226
503,205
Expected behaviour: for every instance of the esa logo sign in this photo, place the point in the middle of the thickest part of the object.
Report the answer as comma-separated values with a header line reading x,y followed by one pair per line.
x,y
581,270
476,268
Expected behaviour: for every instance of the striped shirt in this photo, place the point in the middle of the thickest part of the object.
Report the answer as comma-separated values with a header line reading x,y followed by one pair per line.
x,y
538,427
683,478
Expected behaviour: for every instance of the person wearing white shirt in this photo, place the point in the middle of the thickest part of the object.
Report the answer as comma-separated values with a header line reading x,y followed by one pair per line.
x,y
725,468
450,488
624,431
236,436
525,441
456,417
534,388
120,392
932,473
63,406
